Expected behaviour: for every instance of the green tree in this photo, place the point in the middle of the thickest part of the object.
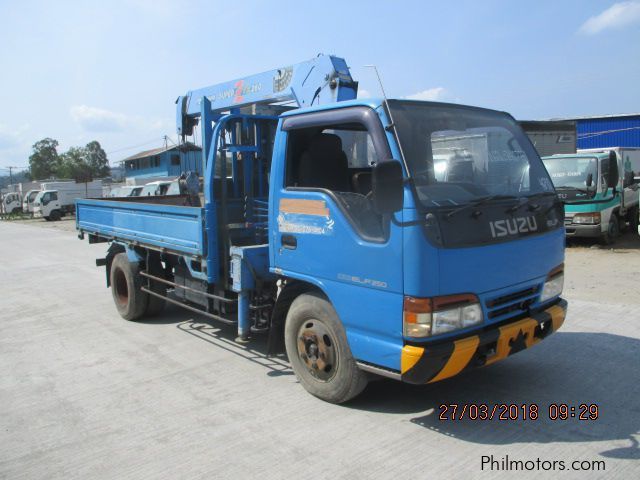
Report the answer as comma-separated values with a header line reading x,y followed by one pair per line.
x,y
96,159
44,159
73,164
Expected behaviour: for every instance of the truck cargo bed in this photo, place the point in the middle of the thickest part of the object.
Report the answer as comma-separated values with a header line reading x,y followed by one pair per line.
x,y
175,228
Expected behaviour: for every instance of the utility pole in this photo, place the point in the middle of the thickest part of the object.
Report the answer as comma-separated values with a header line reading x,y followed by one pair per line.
x,y
11,175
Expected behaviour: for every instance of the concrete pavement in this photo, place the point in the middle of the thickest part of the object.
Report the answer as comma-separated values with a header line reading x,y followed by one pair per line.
x,y
85,394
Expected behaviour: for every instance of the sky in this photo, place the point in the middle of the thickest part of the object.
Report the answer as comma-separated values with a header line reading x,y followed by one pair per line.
x,y
111,71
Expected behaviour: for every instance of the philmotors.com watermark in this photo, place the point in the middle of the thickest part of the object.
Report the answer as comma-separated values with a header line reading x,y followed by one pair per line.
x,y
506,464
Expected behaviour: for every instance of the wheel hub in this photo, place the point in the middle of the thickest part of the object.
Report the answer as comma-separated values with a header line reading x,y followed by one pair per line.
x,y
316,349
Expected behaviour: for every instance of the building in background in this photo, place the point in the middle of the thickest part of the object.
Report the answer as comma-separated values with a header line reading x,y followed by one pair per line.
x,y
164,162
551,136
601,131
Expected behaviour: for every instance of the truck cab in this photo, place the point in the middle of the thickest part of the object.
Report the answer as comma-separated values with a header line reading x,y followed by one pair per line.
x,y
600,191
11,203
27,202
126,191
47,205
457,259
155,189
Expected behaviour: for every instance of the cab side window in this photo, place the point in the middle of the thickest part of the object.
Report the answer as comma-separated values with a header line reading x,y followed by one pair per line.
x,y
338,159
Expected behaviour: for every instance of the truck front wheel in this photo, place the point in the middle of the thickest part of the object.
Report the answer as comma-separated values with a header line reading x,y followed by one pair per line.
x,y
55,215
318,351
131,302
613,230
633,220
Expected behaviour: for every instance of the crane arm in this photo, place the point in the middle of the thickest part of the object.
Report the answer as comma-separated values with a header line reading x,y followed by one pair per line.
x,y
321,80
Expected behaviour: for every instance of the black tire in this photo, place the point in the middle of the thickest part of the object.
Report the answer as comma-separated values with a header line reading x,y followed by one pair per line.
x,y
131,302
613,230
318,351
55,215
633,220
47,219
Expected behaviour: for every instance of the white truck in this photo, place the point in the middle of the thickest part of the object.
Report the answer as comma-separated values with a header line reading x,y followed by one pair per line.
x,y
56,199
126,191
28,199
156,189
11,203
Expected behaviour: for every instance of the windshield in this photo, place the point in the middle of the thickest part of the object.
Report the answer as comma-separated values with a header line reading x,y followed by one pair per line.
x,y
458,154
32,196
572,172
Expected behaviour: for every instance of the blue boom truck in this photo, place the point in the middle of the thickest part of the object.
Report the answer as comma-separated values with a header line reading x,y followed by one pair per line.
x,y
412,240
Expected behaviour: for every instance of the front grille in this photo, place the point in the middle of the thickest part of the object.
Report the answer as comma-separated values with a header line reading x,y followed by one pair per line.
x,y
512,303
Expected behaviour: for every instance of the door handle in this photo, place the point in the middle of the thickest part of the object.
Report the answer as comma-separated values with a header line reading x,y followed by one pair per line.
x,y
289,241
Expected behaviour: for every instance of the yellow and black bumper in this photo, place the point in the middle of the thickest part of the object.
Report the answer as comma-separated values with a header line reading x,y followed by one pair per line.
x,y
432,363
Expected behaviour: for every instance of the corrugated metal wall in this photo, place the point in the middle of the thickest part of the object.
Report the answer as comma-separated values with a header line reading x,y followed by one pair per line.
x,y
609,132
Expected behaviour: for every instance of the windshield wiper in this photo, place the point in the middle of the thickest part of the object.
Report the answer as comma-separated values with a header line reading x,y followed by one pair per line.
x,y
480,201
528,199
569,187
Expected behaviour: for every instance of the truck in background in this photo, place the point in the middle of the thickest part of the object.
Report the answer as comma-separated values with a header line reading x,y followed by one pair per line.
x,y
56,199
11,203
28,199
156,189
581,180
126,191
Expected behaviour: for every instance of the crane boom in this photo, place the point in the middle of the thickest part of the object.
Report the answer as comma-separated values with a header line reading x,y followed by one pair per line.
x,y
321,80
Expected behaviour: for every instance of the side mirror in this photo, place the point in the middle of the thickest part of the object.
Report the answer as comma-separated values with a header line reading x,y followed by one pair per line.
x,y
387,187
612,174
589,181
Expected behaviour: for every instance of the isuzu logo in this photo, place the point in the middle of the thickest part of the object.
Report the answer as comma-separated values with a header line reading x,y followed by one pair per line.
x,y
513,226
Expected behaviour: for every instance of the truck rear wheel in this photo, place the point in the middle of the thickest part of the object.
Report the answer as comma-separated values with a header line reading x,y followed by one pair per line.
x,y
131,302
318,351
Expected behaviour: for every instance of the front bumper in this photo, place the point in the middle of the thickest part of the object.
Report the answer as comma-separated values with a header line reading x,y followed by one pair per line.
x,y
578,230
430,364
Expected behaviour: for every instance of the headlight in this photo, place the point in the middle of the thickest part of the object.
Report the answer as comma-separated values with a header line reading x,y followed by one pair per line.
x,y
424,317
591,218
554,284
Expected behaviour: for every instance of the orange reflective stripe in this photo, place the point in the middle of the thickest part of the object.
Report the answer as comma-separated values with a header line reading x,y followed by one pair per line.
x,y
557,316
410,356
463,350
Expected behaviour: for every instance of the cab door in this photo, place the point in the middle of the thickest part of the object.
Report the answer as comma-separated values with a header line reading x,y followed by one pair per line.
x,y
325,231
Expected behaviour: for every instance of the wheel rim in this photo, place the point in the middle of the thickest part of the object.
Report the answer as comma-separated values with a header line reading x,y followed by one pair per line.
x,y
120,286
316,350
